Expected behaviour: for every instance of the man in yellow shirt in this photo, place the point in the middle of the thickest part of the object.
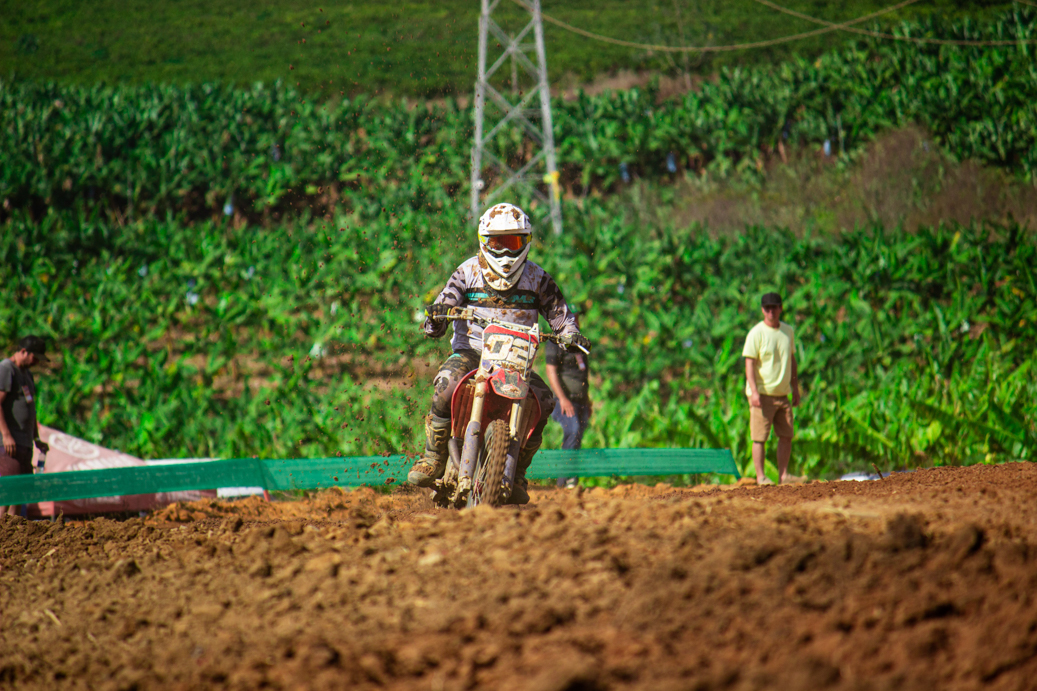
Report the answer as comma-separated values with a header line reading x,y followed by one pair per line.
x,y
770,375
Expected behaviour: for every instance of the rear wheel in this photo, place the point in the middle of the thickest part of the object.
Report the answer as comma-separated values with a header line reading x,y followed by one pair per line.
x,y
489,471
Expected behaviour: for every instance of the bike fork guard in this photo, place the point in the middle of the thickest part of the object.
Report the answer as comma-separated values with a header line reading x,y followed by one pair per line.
x,y
470,451
518,410
454,464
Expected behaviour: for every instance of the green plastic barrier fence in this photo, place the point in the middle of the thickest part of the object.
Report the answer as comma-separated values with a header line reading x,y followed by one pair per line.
x,y
602,462
316,473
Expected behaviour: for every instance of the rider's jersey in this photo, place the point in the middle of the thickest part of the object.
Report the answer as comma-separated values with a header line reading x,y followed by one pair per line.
x,y
536,293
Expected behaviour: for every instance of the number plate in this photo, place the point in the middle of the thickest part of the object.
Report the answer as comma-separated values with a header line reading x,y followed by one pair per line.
x,y
509,349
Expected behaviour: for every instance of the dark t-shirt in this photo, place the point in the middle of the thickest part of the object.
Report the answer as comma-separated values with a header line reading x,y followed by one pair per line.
x,y
19,406
573,369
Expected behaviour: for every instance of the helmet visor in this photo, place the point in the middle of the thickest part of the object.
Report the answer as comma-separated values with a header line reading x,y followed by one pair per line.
x,y
505,243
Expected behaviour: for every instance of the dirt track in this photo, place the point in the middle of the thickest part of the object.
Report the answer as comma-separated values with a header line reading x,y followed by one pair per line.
x,y
924,580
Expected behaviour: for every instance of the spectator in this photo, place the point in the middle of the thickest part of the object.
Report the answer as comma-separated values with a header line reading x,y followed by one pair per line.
x,y
18,424
770,375
567,374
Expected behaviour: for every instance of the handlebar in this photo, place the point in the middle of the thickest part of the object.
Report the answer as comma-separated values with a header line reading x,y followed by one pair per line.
x,y
468,314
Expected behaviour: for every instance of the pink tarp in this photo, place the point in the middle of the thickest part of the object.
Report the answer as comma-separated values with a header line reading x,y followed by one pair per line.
x,y
68,453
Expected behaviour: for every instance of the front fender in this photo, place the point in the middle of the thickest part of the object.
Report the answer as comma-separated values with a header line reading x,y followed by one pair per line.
x,y
509,384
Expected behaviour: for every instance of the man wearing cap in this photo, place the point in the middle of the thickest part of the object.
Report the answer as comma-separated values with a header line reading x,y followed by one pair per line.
x,y
770,375
18,424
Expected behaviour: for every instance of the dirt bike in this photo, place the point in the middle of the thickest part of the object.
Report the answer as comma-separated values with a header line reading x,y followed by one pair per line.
x,y
492,413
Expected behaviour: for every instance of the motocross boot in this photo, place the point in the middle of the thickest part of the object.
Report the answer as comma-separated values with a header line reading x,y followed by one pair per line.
x,y
431,466
519,490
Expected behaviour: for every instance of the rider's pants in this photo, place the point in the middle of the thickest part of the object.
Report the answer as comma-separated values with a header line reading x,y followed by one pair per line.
x,y
464,361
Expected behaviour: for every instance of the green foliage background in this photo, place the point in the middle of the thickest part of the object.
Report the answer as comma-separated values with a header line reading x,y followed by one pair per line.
x,y
287,327
153,150
203,340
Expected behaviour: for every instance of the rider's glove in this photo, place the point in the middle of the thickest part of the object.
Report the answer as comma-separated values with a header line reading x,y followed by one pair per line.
x,y
436,310
576,342
435,329
435,326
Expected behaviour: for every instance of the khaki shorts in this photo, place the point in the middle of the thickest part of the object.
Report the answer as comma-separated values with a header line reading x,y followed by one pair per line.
x,y
774,411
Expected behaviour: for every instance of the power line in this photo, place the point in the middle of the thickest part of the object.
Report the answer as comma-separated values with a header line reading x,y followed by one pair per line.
x,y
893,37
829,27
717,49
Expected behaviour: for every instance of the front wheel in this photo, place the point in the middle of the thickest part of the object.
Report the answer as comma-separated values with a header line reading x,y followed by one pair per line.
x,y
489,469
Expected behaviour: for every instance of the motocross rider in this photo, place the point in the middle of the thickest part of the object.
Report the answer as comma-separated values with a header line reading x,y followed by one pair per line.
x,y
499,283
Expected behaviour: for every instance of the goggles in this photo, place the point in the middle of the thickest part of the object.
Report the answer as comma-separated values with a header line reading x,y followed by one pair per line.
x,y
505,243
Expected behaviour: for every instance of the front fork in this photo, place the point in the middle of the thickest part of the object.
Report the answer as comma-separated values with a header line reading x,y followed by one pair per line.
x,y
519,410
470,451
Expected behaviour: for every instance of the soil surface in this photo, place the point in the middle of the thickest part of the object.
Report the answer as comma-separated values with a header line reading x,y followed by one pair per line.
x,y
924,580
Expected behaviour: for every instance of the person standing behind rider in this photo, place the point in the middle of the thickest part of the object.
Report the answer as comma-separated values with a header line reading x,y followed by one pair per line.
x,y
567,373
499,283
770,375
18,425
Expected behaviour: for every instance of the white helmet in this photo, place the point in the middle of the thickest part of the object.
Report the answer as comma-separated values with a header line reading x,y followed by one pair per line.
x,y
504,237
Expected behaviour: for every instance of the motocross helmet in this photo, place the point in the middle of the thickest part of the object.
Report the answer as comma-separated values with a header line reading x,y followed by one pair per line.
x,y
504,237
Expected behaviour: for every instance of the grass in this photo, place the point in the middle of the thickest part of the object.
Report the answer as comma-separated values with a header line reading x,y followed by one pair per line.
x,y
915,346
419,48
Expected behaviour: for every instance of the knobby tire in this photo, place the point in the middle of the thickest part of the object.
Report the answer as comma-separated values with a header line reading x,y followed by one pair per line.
x,y
490,469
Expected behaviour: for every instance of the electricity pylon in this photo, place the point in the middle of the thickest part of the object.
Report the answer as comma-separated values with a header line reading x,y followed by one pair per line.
x,y
540,173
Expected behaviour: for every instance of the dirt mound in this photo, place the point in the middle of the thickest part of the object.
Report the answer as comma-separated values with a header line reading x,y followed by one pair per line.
x,y
924,579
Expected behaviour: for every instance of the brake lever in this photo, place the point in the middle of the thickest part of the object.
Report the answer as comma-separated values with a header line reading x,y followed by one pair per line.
x,y
560,340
